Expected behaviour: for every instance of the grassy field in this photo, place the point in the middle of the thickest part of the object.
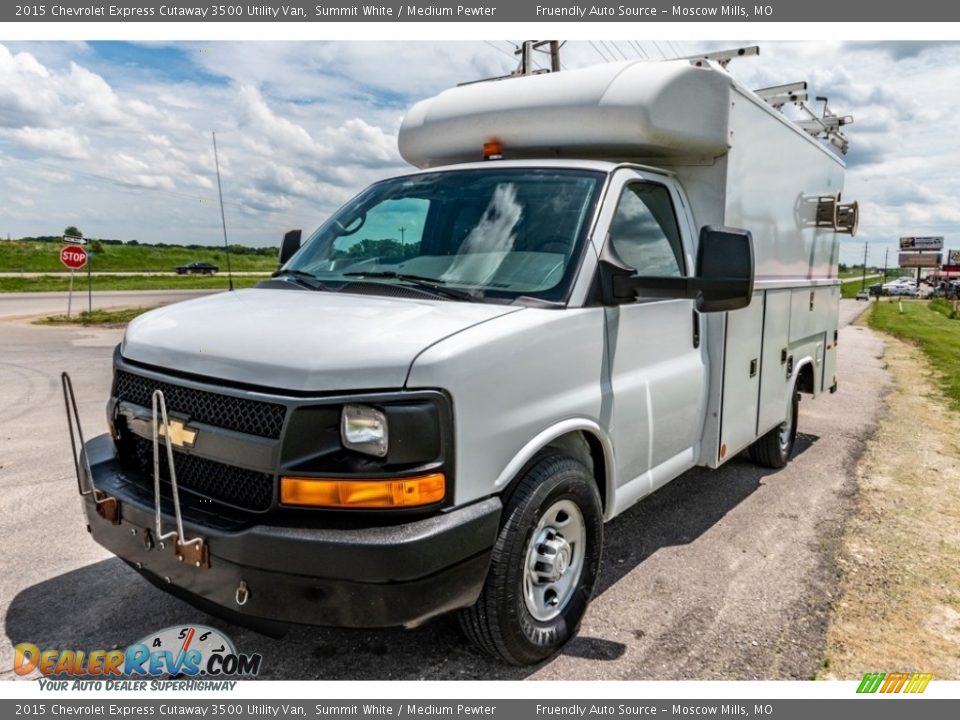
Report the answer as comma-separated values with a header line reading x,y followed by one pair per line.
x,y
110,318
850,288
925,324
898,605
900,556
51,283
32,256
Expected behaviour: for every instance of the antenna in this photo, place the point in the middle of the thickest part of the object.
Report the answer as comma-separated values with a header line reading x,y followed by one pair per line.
x,y
223,217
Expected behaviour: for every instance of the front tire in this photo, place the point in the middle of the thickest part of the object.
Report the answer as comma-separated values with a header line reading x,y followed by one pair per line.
x,y
544,564
774,449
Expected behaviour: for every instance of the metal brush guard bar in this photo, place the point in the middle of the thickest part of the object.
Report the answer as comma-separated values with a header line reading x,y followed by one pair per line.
x,y
195,551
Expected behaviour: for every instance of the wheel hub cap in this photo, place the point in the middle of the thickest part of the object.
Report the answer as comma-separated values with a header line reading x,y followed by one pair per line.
x,y
554,560
553,556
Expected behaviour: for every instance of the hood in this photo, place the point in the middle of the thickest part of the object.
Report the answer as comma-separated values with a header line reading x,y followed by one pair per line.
x,y
299,340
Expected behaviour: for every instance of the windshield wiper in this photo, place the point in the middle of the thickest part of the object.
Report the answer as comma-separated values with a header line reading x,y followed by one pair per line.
x,y
303,277
421,282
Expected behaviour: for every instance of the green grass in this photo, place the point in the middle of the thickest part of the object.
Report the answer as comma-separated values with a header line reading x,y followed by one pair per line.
x,y
944,307
35,256
51,283
922,323
849,289
97,317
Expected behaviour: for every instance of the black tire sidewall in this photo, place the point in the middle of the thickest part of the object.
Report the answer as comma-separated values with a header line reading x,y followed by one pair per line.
x,y
785,453
527,639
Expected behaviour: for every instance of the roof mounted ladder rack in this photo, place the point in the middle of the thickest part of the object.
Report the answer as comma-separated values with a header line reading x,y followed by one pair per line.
x,y
823,126
722,57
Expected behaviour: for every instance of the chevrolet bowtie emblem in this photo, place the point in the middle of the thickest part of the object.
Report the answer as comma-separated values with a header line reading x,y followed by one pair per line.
x,y
180,434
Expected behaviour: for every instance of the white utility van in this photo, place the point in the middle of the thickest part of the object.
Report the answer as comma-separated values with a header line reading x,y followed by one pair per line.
x,y
592,282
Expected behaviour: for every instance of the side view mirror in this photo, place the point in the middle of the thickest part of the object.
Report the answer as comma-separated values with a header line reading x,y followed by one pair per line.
x,y
288,247
723,281
724,269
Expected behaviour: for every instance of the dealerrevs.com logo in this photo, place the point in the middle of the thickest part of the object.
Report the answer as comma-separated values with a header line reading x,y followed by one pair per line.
x,y
190,651
894,682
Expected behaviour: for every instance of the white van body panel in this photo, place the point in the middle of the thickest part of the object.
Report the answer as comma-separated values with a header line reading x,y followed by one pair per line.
x,y
305,341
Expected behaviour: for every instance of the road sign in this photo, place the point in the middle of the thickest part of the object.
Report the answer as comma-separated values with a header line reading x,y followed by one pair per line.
x,y
934,242
73,256
919,260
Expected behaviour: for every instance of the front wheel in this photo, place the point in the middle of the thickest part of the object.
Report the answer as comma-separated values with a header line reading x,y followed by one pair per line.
x,y
544,564
774,449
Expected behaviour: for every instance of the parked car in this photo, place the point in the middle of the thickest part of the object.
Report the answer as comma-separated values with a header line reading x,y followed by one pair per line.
x,y
198,268
863,295
901,286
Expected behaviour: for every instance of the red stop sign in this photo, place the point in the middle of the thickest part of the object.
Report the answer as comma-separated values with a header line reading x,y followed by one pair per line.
x,y
73,256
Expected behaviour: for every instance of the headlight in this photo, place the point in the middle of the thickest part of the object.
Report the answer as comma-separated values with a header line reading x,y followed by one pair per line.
x,y
364,429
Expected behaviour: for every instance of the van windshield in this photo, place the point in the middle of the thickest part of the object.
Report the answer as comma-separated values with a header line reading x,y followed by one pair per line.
x,y
493,235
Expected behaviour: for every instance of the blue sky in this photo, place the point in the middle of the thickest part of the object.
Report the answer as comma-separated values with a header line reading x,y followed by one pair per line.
x,y
114,137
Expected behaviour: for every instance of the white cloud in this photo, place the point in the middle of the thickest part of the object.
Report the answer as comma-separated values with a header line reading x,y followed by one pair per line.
x,y
60,142
124,149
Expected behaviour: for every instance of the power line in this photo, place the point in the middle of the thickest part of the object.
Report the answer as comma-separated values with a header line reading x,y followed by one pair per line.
x,y
622,53
609,49
594,46
640,51
500,49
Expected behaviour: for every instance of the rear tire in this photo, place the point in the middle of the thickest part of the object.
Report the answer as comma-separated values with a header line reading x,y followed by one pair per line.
x,y
544,564
773,450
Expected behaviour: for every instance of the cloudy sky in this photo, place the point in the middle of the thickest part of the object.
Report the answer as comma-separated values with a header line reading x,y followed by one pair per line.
x,y
115,137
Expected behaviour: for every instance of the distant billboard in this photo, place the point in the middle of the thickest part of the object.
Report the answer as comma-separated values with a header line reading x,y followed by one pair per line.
x,y
953,257
931,242
920,260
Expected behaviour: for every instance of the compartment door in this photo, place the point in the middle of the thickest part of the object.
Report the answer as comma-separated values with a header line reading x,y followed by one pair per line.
x,y
773,363
741,377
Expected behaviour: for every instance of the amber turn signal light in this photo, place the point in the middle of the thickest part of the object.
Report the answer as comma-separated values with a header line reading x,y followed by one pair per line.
x,y
330,493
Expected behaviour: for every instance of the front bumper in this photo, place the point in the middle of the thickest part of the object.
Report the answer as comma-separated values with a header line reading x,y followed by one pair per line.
x,y
367,577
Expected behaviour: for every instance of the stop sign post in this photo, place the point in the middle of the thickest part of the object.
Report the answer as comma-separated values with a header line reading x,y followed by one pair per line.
x,y
73,257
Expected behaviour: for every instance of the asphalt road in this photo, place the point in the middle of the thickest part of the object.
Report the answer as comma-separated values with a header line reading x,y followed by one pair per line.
x,y
726,574
28,304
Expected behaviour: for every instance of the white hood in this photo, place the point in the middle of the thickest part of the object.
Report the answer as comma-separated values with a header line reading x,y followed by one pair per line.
x,y
299,340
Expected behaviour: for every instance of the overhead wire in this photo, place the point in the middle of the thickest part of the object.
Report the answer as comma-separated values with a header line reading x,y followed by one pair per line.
x,y
594,46
639,48
500,49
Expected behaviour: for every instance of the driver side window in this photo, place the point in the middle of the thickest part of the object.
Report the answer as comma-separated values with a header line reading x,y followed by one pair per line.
x,y
644,231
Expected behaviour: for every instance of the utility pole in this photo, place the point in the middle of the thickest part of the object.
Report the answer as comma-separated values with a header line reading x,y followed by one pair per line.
x,y
526,50
403,230
863,282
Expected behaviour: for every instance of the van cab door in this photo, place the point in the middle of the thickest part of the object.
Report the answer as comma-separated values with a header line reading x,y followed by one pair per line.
x,y
657,368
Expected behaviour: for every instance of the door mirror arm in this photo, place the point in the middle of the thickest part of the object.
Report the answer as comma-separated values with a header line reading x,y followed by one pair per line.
x,y
724,279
